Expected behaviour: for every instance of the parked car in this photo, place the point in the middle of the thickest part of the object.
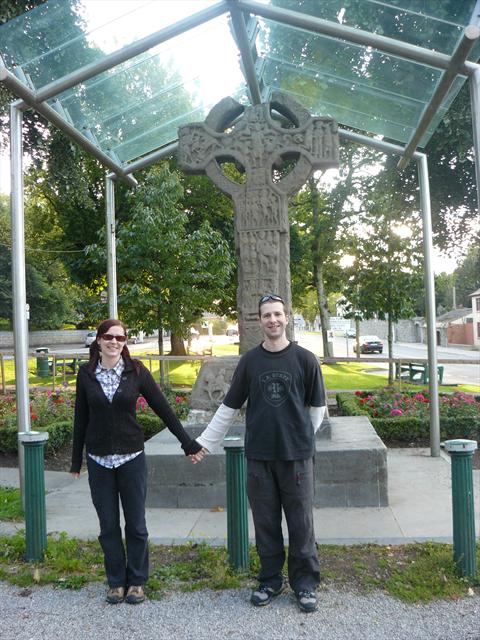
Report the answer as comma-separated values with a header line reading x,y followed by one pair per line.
x,y
350,333
132,336
369,344
90,337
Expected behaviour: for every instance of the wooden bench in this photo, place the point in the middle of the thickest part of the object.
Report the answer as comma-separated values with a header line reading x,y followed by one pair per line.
x,y
417,371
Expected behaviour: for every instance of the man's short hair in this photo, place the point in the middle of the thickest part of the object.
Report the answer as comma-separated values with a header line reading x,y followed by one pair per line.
x,y
270,297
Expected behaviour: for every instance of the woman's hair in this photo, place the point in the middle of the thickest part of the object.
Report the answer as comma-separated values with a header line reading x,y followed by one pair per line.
x,y
102,328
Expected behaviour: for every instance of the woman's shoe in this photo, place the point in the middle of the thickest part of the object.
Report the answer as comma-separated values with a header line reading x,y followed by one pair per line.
x,y
115,595
135,595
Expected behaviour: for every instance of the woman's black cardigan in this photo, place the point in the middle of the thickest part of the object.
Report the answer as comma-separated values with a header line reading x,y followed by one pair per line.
x,y
111,427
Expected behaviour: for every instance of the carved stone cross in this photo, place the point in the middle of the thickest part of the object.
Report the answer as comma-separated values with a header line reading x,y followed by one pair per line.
x,y
258,143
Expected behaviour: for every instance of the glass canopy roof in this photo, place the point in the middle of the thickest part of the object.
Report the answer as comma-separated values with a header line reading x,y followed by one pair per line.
x,y
141,68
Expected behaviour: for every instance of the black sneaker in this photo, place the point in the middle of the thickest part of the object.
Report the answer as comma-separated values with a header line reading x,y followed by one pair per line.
x,y
264,595
306,600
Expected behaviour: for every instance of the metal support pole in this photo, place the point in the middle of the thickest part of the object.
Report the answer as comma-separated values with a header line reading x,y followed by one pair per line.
x,y
464,543
111,248
35,512
475,108
20,324
240,31
237,521
430,305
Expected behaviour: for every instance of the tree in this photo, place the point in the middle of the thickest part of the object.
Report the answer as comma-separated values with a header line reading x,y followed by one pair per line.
x,y
467,277
385,272
320,221
46,282
168,276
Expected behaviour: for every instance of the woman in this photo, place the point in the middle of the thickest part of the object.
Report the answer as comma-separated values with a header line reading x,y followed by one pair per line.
x,y
108,387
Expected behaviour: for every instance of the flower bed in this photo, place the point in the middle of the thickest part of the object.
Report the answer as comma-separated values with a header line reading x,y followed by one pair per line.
x,y
404,416
53,412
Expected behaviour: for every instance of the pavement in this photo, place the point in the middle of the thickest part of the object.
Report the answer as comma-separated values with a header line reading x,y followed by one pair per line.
x,y
420,509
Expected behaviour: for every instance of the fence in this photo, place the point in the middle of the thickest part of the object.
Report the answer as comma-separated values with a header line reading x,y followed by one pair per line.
x,y
61,367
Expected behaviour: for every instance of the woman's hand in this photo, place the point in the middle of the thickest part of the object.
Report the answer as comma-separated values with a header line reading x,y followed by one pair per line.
x,y
199,456
75,475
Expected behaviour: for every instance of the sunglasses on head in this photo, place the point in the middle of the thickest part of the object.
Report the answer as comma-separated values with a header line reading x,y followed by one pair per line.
x,y
270,296
110,336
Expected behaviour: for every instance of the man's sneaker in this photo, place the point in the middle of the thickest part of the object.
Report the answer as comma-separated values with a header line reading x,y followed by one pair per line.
x,y
264,595
115,595
306,600
135,595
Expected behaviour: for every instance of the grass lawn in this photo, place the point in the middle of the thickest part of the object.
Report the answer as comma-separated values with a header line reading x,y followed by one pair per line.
x,y
10,505
412,573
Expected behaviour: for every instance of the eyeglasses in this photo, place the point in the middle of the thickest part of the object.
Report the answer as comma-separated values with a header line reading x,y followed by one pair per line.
x,y
110,336
270,296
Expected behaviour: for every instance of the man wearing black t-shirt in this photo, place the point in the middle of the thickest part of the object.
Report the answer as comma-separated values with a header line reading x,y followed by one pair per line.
x,y
282,384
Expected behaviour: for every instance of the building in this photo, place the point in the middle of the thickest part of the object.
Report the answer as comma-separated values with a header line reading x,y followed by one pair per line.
x,y
476,318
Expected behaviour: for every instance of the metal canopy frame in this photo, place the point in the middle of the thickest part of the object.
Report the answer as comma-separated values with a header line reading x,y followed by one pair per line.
x,y
240,12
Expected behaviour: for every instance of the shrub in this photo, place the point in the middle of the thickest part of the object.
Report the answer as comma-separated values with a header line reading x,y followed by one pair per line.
x,y
58,434
405,416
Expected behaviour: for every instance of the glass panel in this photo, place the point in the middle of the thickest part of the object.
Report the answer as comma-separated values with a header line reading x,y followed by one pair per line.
x,y
90,29
358,86
137,107
152,94
426,23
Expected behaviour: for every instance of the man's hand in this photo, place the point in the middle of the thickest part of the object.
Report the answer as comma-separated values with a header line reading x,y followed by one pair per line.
x,y
199,456
75,475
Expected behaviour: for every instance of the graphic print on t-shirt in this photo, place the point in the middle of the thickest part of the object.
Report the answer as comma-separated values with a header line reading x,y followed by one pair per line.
x,y
275,386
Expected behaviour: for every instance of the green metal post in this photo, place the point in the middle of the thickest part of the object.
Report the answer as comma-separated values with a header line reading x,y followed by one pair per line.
x,y
237,520
464,541
35,513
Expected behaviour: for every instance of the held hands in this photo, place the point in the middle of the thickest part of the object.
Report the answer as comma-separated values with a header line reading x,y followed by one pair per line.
x,y
199,456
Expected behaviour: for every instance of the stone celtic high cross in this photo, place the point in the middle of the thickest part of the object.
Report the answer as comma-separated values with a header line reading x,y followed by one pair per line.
x,y
251,138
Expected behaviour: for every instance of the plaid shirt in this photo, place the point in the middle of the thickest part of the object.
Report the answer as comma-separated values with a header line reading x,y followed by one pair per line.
x,y
109,380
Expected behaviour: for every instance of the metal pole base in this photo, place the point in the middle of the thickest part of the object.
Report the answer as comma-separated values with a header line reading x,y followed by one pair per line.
x,y
464,540
35,512
237,519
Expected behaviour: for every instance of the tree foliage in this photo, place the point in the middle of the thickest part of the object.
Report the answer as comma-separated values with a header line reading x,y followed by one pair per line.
x,y
168,275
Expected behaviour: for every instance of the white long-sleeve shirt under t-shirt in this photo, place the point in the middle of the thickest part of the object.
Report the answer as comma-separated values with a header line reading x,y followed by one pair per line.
x,y
215,432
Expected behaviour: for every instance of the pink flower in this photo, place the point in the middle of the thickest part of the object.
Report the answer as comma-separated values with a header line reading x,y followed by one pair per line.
x,y
396,412
141,403
179,399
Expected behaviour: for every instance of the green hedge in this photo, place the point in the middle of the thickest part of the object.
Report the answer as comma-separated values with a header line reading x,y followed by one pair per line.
x,y
58,434
410,428
150,423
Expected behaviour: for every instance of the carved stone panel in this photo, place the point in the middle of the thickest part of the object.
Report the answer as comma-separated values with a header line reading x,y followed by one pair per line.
x,y
260,140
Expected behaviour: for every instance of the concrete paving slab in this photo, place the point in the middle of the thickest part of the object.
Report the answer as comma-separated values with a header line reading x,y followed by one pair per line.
x,y
419,509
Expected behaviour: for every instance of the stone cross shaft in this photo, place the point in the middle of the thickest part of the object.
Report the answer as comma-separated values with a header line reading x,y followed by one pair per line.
x,y
259,140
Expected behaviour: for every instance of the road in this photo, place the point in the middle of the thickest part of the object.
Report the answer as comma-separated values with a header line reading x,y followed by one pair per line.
x,y
453,373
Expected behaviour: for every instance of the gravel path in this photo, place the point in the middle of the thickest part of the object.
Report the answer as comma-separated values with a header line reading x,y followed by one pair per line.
x,y
45,613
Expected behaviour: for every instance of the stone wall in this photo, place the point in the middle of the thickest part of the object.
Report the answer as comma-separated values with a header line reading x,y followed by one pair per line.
x,y
46,338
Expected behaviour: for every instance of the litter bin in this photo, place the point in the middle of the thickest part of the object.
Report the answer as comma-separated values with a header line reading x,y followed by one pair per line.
x,y
43,370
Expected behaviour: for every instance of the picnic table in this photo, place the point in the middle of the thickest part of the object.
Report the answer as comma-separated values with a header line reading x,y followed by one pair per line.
x,y
416,371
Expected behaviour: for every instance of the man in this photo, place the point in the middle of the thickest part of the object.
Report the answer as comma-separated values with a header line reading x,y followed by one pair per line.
x,y
286,402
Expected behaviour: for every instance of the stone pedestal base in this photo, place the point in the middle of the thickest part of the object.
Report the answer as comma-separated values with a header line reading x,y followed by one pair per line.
x,y
350,469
